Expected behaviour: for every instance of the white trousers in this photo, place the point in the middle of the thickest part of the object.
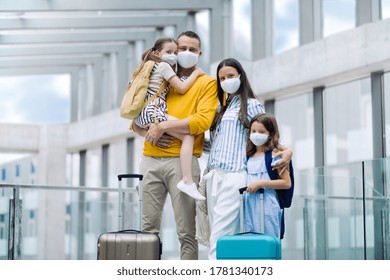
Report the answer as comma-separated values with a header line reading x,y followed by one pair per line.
x,y
223,204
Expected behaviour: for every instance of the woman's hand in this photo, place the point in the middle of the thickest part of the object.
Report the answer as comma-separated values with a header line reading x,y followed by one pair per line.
x,y
283,164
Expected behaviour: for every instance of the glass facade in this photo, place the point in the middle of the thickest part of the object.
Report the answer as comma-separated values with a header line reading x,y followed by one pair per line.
x,y
348,122
385,9
296,125
45,99
386,84
241,24
286,25
338,15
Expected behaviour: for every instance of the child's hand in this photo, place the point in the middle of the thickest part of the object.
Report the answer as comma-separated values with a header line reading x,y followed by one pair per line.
x,y
253,187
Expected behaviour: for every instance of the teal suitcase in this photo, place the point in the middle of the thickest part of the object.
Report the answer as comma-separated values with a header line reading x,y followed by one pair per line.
x,y
249,245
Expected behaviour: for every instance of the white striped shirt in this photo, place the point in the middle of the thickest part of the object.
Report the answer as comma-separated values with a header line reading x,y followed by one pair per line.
x,y
228,150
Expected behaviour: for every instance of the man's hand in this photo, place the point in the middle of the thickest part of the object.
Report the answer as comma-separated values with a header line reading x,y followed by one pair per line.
x,y
165,141
154,133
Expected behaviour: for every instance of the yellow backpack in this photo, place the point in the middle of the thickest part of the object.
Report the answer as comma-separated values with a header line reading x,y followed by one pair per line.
x,y
134,98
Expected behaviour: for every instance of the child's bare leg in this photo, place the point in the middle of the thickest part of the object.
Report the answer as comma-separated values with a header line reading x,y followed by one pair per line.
x,y
186,158
187,185
185,153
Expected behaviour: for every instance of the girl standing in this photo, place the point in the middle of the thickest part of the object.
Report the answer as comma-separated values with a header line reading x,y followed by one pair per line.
x,y
262,144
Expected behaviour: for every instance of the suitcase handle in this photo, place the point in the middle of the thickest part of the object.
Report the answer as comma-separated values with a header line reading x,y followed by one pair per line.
x,y
248,232
120,206
261,191
139,176
242,190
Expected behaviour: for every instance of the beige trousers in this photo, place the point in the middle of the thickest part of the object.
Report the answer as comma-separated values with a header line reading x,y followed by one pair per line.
x,y
161,175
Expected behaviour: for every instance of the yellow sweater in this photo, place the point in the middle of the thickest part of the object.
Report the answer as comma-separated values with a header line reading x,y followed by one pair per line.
x,y
198,104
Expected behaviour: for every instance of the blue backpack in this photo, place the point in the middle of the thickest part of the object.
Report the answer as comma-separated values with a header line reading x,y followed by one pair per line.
x,y
284,196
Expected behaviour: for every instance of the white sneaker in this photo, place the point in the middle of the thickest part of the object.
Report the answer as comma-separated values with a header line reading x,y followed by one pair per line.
x,y
190,189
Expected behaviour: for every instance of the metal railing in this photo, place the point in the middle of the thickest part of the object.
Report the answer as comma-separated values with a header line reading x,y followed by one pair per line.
x,y
106,198
338,212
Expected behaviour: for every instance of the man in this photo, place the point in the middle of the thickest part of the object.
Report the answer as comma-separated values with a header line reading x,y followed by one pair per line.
x,y
160,164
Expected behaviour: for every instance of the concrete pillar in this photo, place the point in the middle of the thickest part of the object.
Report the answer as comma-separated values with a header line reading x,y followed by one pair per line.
x,y
122,77
74,96
131,61
97,93
262,29
88,94
367,11
221,31
51,171
82,92
310,21
106,83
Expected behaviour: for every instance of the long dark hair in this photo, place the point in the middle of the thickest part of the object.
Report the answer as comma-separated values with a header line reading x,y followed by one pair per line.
x,y
271,126
244,91
150,54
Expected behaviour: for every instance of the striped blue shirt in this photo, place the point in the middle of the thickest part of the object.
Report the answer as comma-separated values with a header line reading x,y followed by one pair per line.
x,y
228,150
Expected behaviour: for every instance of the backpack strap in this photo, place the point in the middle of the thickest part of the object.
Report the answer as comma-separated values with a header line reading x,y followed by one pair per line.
x,y
158,93
284,196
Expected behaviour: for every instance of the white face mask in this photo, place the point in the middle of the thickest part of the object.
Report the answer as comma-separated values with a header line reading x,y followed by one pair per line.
x,y
258,138
187,59
169,58
231,85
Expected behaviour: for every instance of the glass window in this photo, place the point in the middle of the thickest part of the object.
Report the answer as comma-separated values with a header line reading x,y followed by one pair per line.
x,y
242,29
32,168
286,22
348,122
387,111
202,20
3,174
296,125
17,170
385,9
39,99
338,15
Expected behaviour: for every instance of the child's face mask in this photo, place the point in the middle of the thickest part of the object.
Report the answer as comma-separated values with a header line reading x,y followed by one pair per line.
x,y
258,139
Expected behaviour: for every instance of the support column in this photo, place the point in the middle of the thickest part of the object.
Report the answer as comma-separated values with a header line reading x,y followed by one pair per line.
x,y
97,94
319,159
74,96
89,94
310,21
319,146
269,106
122,77
378,115
262,29
367,11
221,31
105,83
381,224
51,166
82,94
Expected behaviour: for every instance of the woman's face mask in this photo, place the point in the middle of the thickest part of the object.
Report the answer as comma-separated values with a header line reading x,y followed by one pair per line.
x,y
231,85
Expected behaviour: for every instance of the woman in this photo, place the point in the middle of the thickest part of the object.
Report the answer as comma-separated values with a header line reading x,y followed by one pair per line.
x,y
227,160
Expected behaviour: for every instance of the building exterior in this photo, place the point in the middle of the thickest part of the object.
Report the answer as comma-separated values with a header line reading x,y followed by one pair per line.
x,y
327,81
